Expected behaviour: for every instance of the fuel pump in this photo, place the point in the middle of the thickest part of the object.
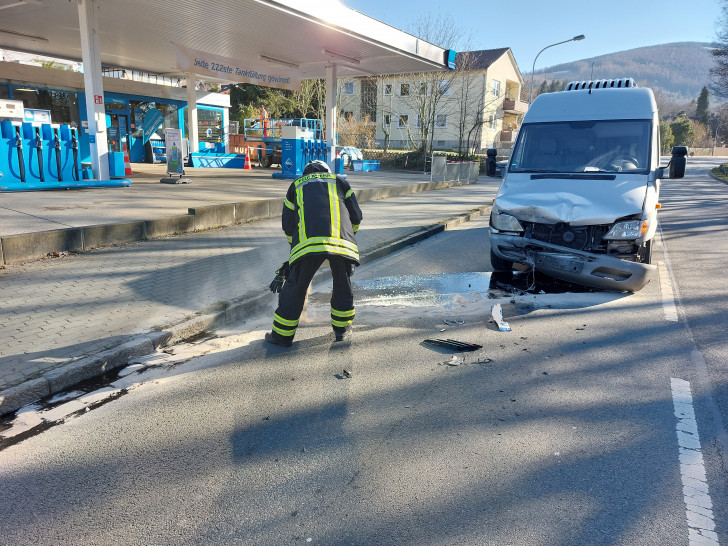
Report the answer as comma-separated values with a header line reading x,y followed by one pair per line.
x,y
19,148
39,153
74,147
57,146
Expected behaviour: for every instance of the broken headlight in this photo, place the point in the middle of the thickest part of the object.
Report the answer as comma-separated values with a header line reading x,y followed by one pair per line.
x,y
504,222
632,229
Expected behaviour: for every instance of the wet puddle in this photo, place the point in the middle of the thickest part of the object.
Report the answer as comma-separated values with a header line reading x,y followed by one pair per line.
x,y
446,290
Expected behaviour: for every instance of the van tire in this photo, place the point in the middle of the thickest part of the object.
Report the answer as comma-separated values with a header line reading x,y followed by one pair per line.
x,y
266,161
499,264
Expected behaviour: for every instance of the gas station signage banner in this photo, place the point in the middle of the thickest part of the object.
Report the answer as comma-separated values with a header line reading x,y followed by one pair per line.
x,y
234,71
173,148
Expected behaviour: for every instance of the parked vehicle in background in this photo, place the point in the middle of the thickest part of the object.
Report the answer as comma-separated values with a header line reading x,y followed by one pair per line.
x,y
580,193
349,154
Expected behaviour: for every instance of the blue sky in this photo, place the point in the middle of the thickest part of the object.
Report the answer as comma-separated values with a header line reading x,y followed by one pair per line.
x,y
527,26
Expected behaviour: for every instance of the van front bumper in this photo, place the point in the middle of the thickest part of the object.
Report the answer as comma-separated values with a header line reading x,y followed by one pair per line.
x,y
595,270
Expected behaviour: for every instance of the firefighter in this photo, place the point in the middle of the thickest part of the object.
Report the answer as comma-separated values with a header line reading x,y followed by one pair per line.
x,y
320,217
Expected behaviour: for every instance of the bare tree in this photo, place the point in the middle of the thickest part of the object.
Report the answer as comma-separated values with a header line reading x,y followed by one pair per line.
x,y
719,72
429,92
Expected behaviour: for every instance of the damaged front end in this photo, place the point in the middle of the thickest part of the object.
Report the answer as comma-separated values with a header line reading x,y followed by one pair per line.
x,y
587,255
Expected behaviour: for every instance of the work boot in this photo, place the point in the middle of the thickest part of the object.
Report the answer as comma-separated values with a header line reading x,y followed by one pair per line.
x,y
341,335
275,339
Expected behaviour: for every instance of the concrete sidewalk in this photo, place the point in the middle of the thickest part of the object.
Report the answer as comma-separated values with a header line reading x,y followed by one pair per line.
x,y
77,316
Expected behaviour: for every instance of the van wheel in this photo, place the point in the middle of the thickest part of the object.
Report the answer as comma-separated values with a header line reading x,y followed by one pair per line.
x,y
266,161
499,264
645,253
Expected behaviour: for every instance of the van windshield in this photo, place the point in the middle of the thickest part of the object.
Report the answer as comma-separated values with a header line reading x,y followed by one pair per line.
x,y
612,146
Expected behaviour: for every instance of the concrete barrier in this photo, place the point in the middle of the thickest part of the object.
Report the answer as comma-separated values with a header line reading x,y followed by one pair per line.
x,y
213,216
112,234
257,210
31,246
163,227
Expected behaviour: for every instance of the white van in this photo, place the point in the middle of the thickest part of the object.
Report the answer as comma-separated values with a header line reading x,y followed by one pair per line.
x,y
581,189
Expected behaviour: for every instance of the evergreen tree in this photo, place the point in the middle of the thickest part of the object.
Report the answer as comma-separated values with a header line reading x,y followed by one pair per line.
x,y
702,110
682,129
667,139
556,86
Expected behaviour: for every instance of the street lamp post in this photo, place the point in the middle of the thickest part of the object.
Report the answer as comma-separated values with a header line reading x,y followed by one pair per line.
x,y
715,138
574,39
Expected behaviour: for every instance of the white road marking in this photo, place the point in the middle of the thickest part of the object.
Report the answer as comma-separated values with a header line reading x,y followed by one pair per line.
x,y
665,272
698,506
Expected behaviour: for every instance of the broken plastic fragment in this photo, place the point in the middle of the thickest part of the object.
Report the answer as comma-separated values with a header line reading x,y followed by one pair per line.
x,y
496,311
455,360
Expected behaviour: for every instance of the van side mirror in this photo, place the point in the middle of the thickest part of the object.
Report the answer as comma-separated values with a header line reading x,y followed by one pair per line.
x,y
490,163
678,161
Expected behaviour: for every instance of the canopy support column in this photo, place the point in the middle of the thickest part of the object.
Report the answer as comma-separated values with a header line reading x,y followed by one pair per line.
x,y
192,113
331,112
95,107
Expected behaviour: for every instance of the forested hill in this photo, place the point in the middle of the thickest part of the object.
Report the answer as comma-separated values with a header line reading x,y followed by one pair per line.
x,y
679,69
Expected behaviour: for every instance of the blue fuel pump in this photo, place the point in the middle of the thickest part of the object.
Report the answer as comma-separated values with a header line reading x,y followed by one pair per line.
x,y
297,149
45,157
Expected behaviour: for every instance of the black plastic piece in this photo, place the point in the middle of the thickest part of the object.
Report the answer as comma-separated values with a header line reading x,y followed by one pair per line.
x,y
454,344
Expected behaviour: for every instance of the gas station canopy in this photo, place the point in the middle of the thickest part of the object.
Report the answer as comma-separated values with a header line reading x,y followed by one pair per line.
x,y
276,43
241,39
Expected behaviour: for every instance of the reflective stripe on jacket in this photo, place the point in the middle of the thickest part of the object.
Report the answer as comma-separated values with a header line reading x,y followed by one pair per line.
x,y
321,216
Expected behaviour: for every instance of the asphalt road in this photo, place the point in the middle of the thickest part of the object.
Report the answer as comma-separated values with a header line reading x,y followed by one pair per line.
x,y
596,420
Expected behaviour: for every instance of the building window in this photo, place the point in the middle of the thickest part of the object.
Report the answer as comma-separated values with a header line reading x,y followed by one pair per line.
x,y
403,121
495,88
441,121
491,121
387,119
387,88
419,121
445,88
63,105
423,89
368,99
349,88
404,89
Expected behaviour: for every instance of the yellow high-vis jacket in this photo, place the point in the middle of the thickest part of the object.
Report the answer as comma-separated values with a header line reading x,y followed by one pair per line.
x,y
321,216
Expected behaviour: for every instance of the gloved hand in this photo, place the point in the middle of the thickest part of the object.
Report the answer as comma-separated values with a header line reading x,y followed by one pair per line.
x,y
350,268
281,275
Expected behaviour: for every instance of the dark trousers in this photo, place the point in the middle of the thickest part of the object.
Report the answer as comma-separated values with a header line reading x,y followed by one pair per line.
x,y
293,295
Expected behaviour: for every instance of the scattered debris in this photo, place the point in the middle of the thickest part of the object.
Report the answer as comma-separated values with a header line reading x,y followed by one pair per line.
x,y
455,360
453,321
346,373
454,344
496,311
484,359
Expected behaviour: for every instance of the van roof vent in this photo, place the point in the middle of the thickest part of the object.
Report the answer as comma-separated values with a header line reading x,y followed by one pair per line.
x,y
601,84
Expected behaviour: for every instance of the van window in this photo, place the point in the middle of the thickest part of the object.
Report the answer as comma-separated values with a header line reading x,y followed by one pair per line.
x,y
583,146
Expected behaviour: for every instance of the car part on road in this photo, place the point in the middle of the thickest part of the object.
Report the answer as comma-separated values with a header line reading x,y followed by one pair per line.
x,y
454,344
496,311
